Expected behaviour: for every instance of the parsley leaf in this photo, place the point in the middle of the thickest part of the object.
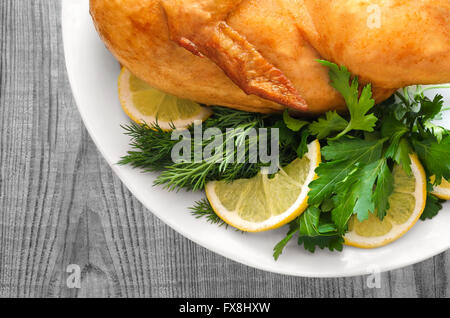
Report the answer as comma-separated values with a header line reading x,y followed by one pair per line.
x,y
345,202
429,109
292,123
309,222
302,148
358,105
343,156
437,131
325,127
432,207
333,242
278,249
435,156
353,148
399,148
357,194
395,130
384,188
363,189
287,136
402,157
313,231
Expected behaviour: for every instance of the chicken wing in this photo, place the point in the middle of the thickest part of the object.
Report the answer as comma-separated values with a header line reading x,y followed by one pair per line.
x,y
200,27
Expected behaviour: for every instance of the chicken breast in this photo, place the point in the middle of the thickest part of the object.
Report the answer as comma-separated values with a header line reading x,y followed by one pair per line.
x,y
260,55
391,43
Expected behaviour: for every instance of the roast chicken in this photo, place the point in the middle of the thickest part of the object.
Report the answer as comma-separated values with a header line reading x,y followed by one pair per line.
x,y
261,55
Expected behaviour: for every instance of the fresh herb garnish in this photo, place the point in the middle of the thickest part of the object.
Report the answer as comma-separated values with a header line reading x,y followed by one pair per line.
x,y
432,208
359,151
203,209
434,155
358,104
153,147
356,175
326,126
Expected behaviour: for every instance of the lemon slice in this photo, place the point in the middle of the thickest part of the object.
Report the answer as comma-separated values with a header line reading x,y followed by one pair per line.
x,y
442,191
407,203
144,104
263,203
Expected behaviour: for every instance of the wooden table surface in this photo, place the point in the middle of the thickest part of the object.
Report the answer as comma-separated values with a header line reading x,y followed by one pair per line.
x,y
61,204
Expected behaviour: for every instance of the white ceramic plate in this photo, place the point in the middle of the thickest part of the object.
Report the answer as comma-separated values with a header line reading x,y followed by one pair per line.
x,y
93,75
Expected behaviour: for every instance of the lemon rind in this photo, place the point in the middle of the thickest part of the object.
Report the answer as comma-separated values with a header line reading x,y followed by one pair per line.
x,y
125,97
296,209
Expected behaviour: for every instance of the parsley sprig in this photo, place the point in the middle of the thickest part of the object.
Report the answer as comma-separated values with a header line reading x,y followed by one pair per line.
x,y
358,104
359,152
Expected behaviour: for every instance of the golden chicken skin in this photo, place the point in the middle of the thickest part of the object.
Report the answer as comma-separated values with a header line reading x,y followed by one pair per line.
x,y
261,55
393,43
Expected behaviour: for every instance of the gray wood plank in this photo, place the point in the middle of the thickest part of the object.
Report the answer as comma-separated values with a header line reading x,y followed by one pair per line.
x,y
61,204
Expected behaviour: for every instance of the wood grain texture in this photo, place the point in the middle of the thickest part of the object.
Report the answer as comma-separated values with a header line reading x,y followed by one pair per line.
x,y
61,204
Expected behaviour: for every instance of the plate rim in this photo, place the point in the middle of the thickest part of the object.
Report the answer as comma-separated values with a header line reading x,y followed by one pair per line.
x,y
186,234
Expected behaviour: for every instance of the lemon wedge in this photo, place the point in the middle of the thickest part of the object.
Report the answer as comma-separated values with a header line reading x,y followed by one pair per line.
x,y
407,204
144,104
442,191
263,203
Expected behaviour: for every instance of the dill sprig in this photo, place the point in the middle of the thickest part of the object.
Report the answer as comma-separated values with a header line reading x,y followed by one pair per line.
x,y
223,118
194,175
152,148
203,209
